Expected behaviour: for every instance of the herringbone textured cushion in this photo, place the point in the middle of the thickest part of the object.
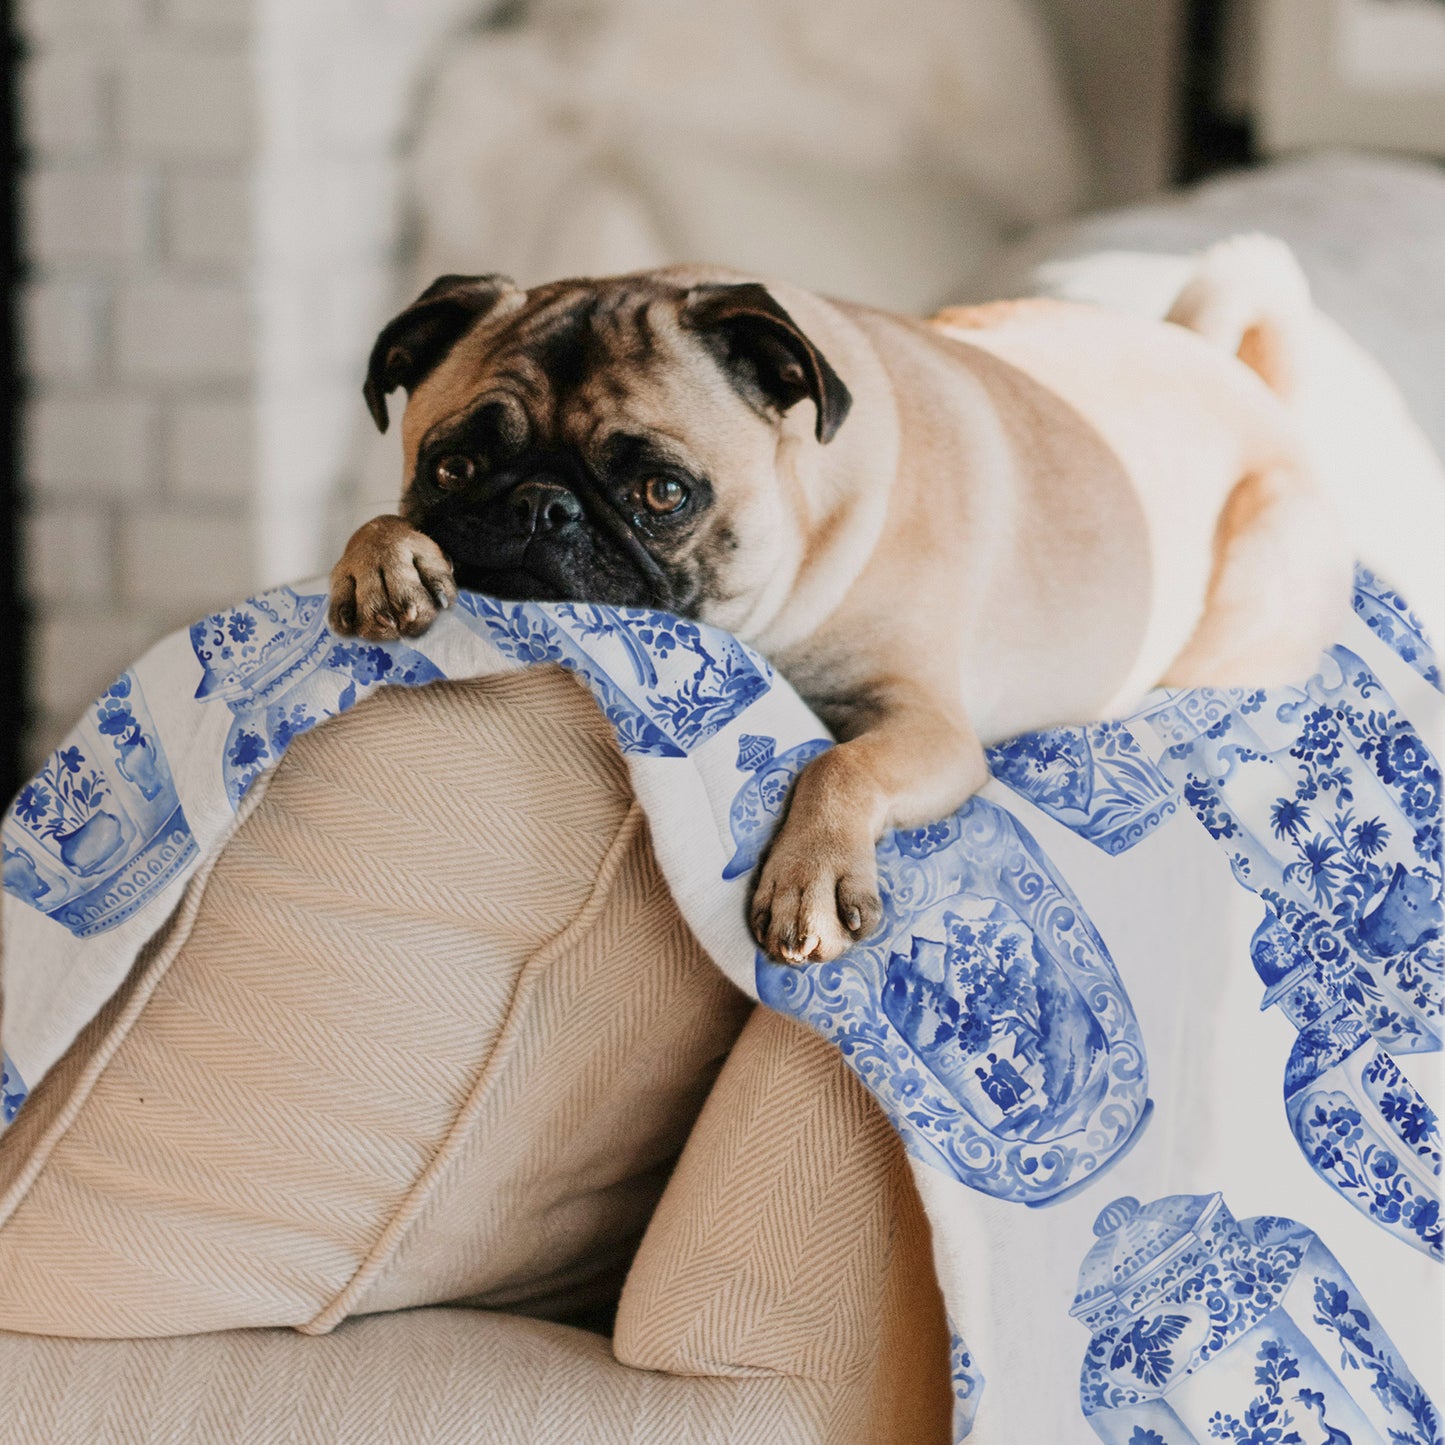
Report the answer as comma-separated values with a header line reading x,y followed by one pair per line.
x,y
791,1239
431,1028
427,1377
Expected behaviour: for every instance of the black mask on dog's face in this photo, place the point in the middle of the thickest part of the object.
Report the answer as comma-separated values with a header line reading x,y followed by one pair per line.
x,y
594,441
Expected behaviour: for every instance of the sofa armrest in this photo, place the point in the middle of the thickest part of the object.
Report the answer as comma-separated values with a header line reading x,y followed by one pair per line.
x,y
791,1241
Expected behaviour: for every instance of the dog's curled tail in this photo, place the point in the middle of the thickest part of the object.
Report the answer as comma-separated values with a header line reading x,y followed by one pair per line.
x,y
1249,295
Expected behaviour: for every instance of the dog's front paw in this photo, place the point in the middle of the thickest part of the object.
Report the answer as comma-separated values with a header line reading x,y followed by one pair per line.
x,y
391,582
816,897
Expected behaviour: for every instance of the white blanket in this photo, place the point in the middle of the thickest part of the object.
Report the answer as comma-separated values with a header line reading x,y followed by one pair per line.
x,y
1086,990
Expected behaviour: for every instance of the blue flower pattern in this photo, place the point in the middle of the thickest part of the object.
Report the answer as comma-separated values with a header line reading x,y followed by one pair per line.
x,y
1389,617
967,1384
1327,802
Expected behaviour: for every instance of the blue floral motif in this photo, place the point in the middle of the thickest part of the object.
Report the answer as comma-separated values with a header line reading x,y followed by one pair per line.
x,y
665,684
1389,617
1365,1347
12,1089
1204,1328
967,1384
759,803
1096,780
985,1014
100,830
281,671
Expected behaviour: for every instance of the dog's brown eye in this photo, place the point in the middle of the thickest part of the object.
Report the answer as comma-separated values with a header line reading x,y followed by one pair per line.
x,y
455,471
663,494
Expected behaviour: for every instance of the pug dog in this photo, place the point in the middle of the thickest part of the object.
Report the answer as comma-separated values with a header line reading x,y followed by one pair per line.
x,y
943,533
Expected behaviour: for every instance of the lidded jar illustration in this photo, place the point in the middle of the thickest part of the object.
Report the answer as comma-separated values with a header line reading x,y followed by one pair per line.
x,y
1207,1328
759,803
279,668
100,829
985,1013
1358,1119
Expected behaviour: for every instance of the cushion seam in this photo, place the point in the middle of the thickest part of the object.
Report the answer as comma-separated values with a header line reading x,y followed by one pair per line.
x,y
182,923
396,1228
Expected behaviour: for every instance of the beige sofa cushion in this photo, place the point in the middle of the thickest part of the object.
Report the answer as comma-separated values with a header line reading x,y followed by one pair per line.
x,y
791,1240
784,1294
425,1377
432,1028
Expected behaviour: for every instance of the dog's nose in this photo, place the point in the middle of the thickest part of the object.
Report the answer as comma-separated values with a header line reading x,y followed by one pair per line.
x,y
538,506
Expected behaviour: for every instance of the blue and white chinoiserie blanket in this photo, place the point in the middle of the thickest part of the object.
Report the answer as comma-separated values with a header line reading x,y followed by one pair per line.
x,y
1157,1014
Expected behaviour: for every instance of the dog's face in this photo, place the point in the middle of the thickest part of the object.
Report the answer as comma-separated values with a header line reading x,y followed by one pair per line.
x,y
610,441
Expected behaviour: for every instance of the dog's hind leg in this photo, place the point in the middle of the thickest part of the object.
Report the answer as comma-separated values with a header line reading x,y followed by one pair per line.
x,y
1280,588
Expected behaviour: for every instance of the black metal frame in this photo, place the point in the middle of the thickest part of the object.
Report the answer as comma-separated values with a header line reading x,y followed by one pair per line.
x,y
13,618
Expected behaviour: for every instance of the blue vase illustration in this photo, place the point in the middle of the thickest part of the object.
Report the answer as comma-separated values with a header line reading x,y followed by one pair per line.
x,y
1095,780
273,661
759,803
1357,1118
100,830
1207,1328
986,1014
1328,804
665,684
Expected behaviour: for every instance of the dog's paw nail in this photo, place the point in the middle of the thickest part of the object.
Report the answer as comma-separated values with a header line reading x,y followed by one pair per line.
x,y
853,919
809,946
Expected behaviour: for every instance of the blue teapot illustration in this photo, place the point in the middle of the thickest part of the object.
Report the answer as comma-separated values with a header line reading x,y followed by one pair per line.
x,y
985,1014
1205,1328
100,829
280,670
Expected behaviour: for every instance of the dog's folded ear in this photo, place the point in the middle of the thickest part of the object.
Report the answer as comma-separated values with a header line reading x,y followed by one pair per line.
x,y
411,344
766,351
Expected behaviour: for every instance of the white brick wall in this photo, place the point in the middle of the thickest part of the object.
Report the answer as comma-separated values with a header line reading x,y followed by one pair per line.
x,y
139,329
211,226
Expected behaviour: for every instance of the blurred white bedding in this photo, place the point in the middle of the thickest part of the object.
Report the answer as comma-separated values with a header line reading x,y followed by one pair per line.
x,y
1369,231
878,152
